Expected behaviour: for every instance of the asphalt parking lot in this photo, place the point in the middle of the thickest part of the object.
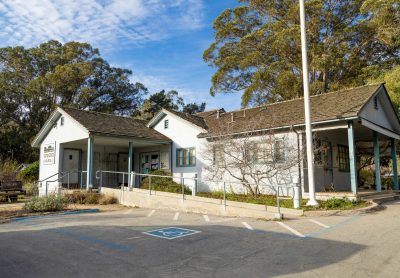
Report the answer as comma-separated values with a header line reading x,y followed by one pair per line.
x,y
121,244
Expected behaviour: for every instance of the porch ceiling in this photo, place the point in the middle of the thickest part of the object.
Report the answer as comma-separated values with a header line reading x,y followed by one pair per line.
x,y
116,142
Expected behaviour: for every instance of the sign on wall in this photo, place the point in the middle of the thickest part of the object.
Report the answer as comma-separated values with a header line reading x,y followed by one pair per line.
x,y
49,153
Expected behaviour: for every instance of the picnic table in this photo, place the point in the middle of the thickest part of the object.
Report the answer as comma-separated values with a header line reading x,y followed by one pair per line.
x,y
11,189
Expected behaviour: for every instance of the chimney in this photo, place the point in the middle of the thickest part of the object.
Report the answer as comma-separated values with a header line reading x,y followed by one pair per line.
x,y
218,114
232,117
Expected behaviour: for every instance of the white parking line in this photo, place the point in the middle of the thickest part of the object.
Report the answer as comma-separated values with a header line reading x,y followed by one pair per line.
x,y
176,216
291,229
151,213
318,223
247,226
206,218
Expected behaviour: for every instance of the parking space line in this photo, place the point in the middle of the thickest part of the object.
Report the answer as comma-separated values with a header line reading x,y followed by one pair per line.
x,y
151,213
206,218
291,229
318,223
247,226
176,216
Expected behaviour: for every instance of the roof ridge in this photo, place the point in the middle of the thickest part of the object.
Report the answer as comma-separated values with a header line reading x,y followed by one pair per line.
x,y
102,113
300,98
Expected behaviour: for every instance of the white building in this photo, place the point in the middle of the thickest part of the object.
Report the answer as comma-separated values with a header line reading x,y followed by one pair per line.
x,y
80,142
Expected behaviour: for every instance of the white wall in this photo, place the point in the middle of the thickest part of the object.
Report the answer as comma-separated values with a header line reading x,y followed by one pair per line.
x,y
70,131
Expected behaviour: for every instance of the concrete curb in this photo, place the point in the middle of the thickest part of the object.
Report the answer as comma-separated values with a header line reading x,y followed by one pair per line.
x,y
17,219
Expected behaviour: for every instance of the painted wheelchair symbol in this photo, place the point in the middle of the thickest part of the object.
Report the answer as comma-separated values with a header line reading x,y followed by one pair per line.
x,y
171,232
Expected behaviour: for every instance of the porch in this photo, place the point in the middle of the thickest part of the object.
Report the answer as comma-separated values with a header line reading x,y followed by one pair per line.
x,y
83,158
338,155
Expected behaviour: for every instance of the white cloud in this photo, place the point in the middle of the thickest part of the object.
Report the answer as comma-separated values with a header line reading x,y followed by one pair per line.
x,y
101,22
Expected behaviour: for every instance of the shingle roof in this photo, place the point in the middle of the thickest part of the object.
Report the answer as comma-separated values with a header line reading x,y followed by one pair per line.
x,y
329,106
108,124
194,119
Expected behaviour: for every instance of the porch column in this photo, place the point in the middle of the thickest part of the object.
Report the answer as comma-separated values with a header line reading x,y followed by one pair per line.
x,y
89,173
352,157
394,164
130,162
377,162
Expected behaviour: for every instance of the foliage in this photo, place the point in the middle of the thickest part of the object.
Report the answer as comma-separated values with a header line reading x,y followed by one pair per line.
x,y
165,184
30,188
46,203
336,204
257,46
8,170
168,100
90,198
35,80
30,173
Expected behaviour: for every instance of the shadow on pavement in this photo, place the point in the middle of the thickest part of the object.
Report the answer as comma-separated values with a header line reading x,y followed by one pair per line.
x,y
115,251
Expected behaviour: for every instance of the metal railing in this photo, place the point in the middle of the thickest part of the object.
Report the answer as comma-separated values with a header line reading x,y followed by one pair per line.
x,y
278,190
60,177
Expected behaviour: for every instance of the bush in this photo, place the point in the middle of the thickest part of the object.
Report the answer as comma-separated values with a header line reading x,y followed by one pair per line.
x,y
46,203
8,170
163,184
30,188
30,173
107,200
339,204
90,198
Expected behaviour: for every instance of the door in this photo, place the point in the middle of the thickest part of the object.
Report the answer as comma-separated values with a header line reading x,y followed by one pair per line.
x,y
123,167
149,162
111,179
71,159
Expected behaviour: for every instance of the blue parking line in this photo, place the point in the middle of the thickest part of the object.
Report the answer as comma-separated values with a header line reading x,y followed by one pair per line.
x,y
28,218
91,239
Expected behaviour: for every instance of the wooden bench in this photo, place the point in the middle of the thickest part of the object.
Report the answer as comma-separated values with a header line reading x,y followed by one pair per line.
x,y
11,190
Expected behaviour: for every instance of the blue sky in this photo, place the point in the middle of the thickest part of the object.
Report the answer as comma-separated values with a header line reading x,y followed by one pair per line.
x,y
161,41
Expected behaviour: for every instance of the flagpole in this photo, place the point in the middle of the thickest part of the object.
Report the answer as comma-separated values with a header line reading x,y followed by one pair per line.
x,y
307,109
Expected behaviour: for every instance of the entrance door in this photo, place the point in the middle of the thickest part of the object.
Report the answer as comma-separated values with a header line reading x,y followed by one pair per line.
x,y
111,179
123,167
149,162
71,159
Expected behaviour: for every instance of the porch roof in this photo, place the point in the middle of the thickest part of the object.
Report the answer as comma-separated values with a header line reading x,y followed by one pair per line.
x,y
111,125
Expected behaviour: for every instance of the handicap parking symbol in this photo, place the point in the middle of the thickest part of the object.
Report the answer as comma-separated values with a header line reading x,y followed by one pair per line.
x,y
171,232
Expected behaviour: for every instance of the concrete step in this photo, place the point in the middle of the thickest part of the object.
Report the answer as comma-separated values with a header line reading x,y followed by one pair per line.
x,y
374,194
381,198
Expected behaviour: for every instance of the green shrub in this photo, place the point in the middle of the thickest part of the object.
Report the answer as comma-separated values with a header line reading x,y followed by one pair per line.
x,y
30,173
46,203
92,198
107,200
165,184
8,170
339,204
30,188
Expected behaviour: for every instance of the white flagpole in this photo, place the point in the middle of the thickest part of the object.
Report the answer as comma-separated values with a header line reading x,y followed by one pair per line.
x,y
307,109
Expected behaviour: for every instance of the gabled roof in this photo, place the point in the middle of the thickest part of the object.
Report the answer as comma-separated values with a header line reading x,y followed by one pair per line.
x,y
339,105
112,125
192,119
102,124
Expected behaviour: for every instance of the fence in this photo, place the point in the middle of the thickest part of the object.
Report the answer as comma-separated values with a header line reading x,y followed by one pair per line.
x,y
138,179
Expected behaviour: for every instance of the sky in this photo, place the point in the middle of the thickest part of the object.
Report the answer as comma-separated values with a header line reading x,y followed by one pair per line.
x,y
161,41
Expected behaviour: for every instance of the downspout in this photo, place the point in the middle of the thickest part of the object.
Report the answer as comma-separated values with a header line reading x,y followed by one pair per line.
x,y
299,158
171,159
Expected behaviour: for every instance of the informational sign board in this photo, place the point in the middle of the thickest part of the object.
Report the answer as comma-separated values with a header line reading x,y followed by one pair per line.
x,y
49,153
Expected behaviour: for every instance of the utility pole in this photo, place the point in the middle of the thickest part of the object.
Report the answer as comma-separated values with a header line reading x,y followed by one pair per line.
x,y
307,109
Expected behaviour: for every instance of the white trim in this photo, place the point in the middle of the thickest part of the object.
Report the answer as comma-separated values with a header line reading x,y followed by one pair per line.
x,y
160,115
46,127
379,129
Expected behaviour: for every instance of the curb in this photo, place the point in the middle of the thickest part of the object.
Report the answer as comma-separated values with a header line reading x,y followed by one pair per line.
x,y
54,214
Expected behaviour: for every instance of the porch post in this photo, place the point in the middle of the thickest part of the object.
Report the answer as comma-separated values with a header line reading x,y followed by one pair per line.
x,y
130,162
394,164
377,162
352,157
89,173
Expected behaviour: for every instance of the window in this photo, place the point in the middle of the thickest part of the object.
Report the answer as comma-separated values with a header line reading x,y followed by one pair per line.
x,y
267,151
344,163
218,155
62,121
186,157
264,152
166,124
376,102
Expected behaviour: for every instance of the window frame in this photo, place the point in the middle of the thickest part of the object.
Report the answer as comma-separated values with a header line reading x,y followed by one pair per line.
x,y
273,151
343,154
186,158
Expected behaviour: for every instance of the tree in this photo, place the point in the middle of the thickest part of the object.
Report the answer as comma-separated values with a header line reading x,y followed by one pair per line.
x,y
257,47
168,100
35,80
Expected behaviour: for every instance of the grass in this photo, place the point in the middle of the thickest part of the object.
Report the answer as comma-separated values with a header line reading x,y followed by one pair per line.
x,y
335,204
